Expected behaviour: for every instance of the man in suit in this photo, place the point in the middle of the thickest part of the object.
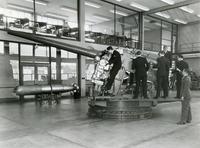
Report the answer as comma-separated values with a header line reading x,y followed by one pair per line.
x,y
162,75
116,63
180,65
168,54
141,66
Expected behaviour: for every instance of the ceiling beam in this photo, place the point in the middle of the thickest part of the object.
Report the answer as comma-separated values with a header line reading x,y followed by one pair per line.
x,y
168,7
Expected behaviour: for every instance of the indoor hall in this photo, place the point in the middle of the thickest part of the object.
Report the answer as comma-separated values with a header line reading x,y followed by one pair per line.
x,y
69,75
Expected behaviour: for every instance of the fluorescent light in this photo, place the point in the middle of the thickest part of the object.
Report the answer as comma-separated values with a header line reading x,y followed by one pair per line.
x,y
91,4
118,0
119,12
19,7
68,9
186,9
180,21
56,15
170,2
146,20
146,29
101,17
89,22
163,15
159,24
198,15
44,3
139,6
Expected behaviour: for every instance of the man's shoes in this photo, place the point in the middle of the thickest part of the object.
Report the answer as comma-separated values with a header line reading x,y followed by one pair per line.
x,y
156,97
188,121
146,97
180,123
164,97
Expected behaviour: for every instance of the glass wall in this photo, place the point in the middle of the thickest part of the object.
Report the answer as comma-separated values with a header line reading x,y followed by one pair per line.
x,y
57,18
99,22
166,35
127,27
1,47
16,15
14,59
158,33
109,24
152,34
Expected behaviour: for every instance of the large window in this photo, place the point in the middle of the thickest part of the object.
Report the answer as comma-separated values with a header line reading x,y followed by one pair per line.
x,y
99,22
17,15
1,47
57,18
152,34
109,24
166,35
126,27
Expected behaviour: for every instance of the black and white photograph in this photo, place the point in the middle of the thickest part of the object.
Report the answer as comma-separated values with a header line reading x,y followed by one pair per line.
x,y
99,73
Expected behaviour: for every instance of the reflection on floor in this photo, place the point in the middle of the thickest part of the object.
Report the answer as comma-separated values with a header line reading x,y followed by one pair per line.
x,y
67,126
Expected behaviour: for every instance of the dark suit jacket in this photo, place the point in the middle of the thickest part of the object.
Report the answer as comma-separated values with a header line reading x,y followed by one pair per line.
x,y
141,66
185,87
182,65
163,66
115,60
168,55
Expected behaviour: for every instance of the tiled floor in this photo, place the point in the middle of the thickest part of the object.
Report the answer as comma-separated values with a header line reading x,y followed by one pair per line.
x,y
67,126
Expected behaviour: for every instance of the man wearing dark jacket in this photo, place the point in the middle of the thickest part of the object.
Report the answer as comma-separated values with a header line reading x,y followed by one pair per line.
x,y
180,65
141,66
162,75
115,62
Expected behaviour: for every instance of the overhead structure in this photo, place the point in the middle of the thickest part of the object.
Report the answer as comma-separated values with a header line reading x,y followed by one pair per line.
x,y
168,7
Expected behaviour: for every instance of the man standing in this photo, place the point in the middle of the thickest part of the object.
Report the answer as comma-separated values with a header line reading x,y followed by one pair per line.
x,y
141,66
162,75
180,65
168,54
116,63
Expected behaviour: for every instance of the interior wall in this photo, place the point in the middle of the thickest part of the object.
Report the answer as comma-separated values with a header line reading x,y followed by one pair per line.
x,y
188,34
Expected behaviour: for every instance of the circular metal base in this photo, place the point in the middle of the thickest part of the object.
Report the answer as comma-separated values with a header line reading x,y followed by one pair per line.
x,y
121,109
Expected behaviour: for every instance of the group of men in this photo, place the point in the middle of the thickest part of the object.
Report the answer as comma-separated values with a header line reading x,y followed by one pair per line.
x,y
140,66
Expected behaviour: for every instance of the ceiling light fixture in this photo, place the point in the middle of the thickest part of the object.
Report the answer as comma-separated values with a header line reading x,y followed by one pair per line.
x,y
40,2
186,9
101,17
56,15
19,7
118,0
162,15
180,21
198,15
139,6
119,12
68,9
170,2
91,4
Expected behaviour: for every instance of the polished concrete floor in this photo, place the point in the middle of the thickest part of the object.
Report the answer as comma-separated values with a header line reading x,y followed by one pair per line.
x,y
67,126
